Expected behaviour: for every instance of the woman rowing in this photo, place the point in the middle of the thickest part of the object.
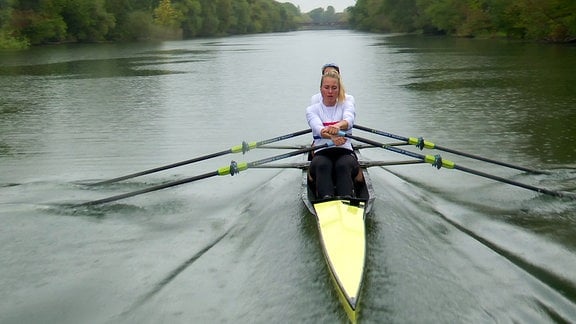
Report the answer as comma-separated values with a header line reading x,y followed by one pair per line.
x,y
332,169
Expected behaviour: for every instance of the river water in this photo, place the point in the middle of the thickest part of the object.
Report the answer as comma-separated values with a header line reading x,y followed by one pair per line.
x,y
444,246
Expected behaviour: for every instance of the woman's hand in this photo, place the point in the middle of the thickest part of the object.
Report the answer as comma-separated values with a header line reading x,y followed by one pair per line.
x,y
331,132
338,140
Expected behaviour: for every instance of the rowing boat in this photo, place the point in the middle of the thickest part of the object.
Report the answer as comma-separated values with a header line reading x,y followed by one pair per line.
x,y
342,235
341,221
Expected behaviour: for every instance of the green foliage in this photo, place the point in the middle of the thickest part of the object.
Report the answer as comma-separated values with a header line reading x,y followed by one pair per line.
x,y
241,12
367,15
46,21
8,41
191,17
550,20
327,17
38,28
401,14
224,14
87,20
139,25
24,22
167,16
7,38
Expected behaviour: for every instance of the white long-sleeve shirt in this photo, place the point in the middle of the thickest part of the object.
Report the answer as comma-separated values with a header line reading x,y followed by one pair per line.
x,y
319,116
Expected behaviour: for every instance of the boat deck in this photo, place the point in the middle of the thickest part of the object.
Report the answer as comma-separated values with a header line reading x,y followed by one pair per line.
x,y
341,224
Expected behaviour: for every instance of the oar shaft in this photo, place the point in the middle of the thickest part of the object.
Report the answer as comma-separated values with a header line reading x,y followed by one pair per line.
x,y
150,189
162,168
431,145
379,132
235,149
485,159
221,171
246,165
283,137
426,158
451,165
516,183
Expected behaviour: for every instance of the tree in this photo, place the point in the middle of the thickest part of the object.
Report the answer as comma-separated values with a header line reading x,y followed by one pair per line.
x,y
210,22
87,20
8,34
241,22
42,21
165,15
224,14
192,21
551,20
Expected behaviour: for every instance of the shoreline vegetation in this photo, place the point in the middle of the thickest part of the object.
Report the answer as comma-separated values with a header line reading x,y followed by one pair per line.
x,y
26,23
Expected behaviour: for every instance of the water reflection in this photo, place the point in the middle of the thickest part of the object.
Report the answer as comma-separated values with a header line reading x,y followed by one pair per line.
x,y
513,94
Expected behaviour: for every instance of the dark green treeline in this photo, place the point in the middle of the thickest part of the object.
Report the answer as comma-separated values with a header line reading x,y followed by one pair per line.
x,y
31,22
537,20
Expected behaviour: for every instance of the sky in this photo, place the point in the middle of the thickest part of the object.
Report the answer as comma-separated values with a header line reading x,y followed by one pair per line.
x,y
309,5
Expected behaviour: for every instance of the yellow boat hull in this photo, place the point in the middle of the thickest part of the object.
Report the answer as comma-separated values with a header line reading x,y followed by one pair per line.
x,y
342,232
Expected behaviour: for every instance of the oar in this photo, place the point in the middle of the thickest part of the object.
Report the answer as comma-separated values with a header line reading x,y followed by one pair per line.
x,y
244,147
438,162
421,143
232,169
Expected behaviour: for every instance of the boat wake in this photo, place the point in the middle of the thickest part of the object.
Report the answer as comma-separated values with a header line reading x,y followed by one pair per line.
x,y
471,247
242,224
174,273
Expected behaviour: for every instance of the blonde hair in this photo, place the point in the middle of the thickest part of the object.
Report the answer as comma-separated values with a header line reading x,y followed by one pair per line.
x,y
335,75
